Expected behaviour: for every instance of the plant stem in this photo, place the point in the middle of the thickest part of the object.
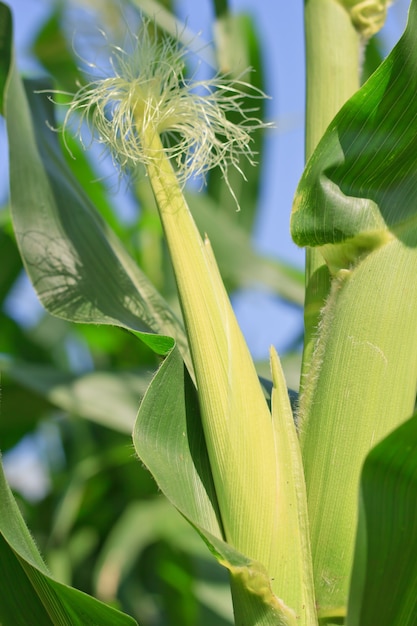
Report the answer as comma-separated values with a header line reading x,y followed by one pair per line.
x,y
333,48
332,74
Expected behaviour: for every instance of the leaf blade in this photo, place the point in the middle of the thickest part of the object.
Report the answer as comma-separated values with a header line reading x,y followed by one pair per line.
x,y
79,269
384,580
46,599
358,184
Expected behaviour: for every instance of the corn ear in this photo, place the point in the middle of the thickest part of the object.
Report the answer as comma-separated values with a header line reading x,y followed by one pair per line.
x,y
236,419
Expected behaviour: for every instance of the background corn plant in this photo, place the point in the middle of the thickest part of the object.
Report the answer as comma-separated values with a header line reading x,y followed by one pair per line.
x,y
102,527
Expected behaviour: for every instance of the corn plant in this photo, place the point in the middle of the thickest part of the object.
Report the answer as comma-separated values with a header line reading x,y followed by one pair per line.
x,y
310,507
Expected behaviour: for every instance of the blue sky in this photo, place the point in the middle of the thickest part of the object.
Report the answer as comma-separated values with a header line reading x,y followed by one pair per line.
x,y
279,23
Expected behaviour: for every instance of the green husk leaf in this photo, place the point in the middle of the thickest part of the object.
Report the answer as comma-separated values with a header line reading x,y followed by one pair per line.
x,y
357,203
296,569
362,385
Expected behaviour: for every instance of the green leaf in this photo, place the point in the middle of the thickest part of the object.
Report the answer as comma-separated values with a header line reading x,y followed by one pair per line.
x,y
168,438
29,595
10,263
384,579
78,267
359,185
296,567
6,49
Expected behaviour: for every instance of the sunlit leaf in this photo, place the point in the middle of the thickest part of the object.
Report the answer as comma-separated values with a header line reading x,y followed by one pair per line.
x,y
359,185
79,269
169,439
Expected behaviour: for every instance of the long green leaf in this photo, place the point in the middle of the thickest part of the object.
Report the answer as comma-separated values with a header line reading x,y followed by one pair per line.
x,y
384,579
79,269
361,181
169,439
29,595
6,49
295,560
